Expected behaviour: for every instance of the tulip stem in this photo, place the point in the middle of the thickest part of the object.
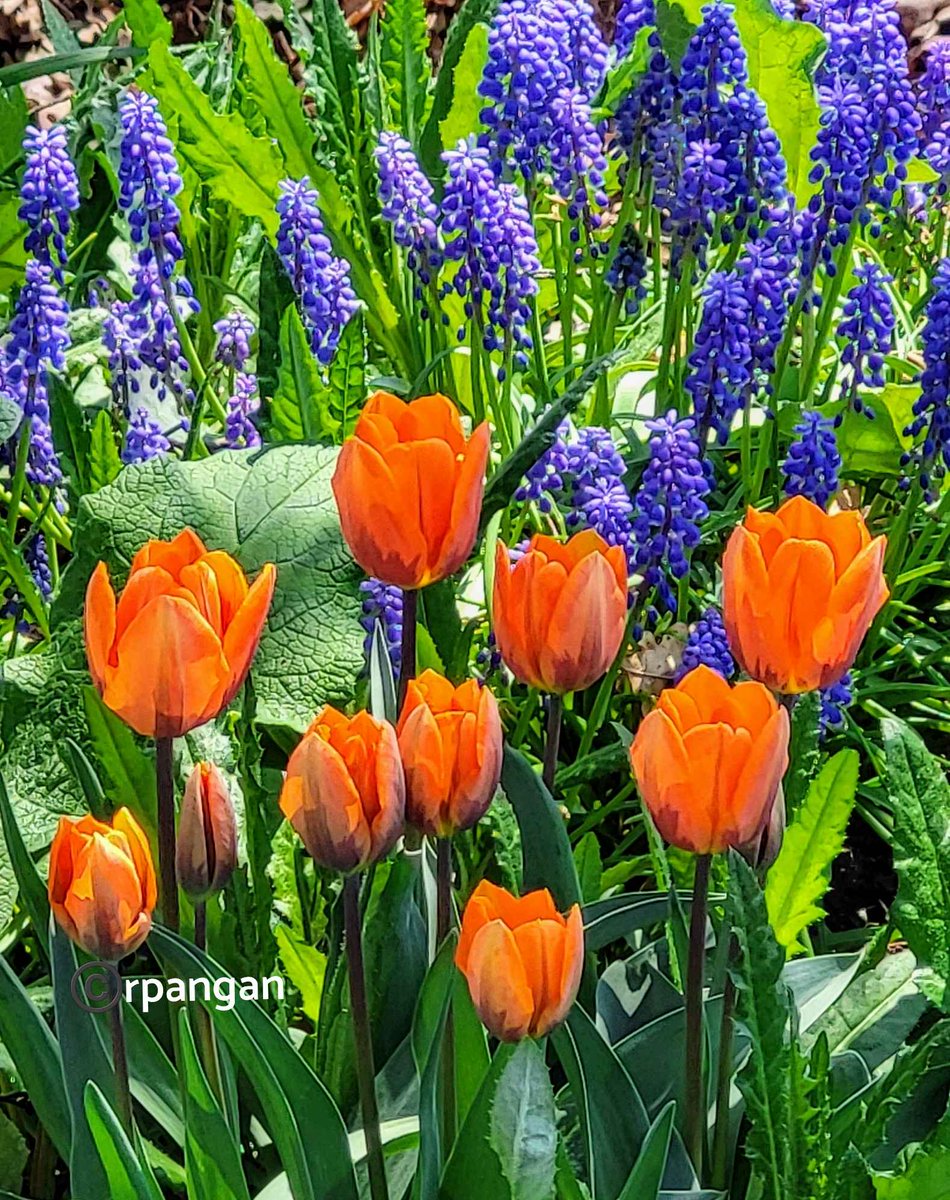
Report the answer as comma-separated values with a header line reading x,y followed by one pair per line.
x,y
121,1066
407,657
443,924
365,1068
723,1087
165,780
443,877
552,741
693,1121
201,925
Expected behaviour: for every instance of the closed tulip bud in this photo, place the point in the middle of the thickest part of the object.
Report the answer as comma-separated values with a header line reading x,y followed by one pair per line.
x,y
559,613
409,489
102,884
344,790
175,648
206,850
450,742
800,590
522,960
709,760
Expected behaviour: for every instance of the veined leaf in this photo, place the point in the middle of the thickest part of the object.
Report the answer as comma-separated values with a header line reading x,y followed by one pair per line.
x,y
104,461
405,63
800,875
305,967
147,22
299,409
920,794
461,119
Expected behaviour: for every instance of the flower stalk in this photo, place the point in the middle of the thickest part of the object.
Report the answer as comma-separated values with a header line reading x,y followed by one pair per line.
x,y
694,1107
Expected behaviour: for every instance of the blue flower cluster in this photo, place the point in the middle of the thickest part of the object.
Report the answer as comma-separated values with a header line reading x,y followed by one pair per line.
x,y
49,194
125,364
406,197
321,281
834,701
233,347
240,432
765,271
488,232
707,645
867,329
720,377
632,16
670,505
36,556
143,438
932,409
578,164
644,125
933,104
382,602
628,269
813,462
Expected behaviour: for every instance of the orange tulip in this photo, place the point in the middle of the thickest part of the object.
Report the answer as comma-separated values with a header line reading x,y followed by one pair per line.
x,y
344,791
450,742
174,650
709,759
409,489
206,850
522,960
559,613
102,884
800,590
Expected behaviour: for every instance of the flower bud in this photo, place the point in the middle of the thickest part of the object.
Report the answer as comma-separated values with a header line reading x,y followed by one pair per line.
x,y
206,850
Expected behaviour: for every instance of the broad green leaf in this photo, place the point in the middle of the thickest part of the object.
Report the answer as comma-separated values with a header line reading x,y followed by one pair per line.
x,y
506,1147
13,1154
589,867
620,916
147,22
212,1157
405,63
275,294
10,417
238,168
274,506
32,892
14,119
462,118
799,878
623,76
127,1171
428,1027
63,39
919,792
268,91
782,56
926,1178
298,411
875,447
104,461
127,771
12,254
305,967
333,66
647,1174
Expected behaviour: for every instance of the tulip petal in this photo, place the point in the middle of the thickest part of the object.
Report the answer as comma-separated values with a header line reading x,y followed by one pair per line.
x,y
498,983
678,803
321,802
765,765
466,504
143,586
232,583
242,636
186,547
585,628
432,417
99,618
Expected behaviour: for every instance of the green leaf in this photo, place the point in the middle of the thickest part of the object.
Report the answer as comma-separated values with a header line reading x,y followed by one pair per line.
x,y
14,119
13,1154
104,461
275,506
63,39
800,876
333,65
919,792
927,1178
147,22
428,1026
238,168
405,63
620,916
647,1174
212,1157
804,751
624,75
507,1144
128,1173
589,867
462,118
875,447
546,848
10,417
299,410
12,231
275,294
51,64
32,892
305,967
129,773
268,91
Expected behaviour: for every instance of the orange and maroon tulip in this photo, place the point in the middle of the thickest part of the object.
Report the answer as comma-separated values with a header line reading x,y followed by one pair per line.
x,y
450,741
102,884
800,590
409,487
709,759
559,613
522,960
344,791
175,648
206,850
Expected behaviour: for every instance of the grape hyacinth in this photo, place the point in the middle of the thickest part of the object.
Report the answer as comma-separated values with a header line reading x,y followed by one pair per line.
x,y
867,331
834,700
932,408
240,432
669,506
36,557
628,270
577,159
149,181
632,16
382,602
49,195
933,104
233,347
720,375
143,438
813,462
765,269
707,645
321,280
406,199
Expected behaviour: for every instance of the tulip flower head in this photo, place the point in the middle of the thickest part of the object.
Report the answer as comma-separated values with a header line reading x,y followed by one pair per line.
x,y
206,849
102,884
559,613
522,960
408,485
176,647
709,760
450,741
344,791
800,590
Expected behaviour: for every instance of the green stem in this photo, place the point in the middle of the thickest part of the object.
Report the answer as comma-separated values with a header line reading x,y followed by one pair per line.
x,y
552,740
121,1066
18,484
407,654
720,1153
693,1120
165,787
443,926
